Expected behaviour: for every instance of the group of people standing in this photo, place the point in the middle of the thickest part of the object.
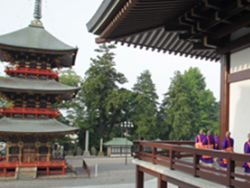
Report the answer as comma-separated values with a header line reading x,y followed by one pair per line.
x,y
213,142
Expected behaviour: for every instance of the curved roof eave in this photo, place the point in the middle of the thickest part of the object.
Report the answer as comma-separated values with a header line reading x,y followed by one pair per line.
x,y
9,125
46,86
104,11
34,38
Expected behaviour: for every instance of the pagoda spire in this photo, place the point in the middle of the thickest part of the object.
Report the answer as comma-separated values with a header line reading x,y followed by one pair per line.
x,y
37,14
37,10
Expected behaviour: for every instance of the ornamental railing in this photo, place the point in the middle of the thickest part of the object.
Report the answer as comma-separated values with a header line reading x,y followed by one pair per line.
x,y
182,156
35,71
26,110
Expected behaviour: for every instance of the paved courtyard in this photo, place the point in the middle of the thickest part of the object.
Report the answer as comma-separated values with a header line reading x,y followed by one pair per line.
x,y
112,172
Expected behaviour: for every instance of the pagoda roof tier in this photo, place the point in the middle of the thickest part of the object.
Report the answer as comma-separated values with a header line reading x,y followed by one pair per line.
x,y
21,126
37,40
12,84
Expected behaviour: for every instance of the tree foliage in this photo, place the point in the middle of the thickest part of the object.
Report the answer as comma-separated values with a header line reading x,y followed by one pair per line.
x,y
145,106
189,106
101,105
101,93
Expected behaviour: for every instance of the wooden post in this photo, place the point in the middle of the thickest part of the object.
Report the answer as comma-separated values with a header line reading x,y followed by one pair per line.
x,y
224,97
171,156
196,159
139,178
161,183
139,151
154,152
63,170
230,169
4,172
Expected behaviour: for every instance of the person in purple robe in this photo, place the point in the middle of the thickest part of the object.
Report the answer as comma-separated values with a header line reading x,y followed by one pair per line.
x,y
227,146
217,141
209,142
246,165
198,140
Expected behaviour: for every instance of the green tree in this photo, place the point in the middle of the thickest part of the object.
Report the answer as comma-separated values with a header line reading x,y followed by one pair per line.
x,y
101,93
189,106
74,109
145,106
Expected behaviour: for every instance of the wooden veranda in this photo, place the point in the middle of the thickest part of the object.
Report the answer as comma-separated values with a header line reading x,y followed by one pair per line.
x,y
171,154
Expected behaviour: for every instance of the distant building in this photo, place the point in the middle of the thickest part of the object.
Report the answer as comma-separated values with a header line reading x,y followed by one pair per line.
x,y
118,147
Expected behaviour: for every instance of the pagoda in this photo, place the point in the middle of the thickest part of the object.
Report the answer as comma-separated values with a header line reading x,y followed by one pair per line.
x,y
32,87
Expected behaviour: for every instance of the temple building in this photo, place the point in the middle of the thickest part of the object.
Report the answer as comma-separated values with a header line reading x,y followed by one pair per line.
x,y
209,30
31,88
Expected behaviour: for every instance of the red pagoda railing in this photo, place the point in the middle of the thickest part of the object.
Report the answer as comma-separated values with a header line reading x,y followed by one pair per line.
x,y
9,112
170,154
53,166
15,71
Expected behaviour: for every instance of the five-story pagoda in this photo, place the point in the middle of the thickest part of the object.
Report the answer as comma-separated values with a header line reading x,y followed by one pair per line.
x,y
29,125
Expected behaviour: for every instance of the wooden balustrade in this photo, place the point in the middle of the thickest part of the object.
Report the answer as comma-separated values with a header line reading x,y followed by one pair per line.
x,y
14,71
182,156
27,110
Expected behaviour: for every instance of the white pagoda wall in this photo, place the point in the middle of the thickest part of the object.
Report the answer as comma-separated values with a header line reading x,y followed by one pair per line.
x,y
239,106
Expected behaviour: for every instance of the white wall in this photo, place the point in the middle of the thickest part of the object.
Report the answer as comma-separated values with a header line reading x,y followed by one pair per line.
x,y
240,60
239,106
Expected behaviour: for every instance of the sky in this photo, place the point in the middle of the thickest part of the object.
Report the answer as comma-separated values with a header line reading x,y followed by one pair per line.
x,y
67,19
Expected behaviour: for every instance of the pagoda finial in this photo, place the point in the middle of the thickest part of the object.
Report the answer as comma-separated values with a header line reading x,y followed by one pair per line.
x,y
37,14
37,10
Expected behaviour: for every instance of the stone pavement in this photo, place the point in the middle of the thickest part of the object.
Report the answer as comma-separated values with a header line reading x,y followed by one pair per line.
x,y
112,172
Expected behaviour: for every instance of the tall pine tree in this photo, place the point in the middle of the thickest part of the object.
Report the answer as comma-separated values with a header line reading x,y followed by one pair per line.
x,y
101,92
145,106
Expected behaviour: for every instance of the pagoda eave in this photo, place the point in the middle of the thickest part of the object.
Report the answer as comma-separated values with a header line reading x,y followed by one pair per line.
x,y
34,126
66,54
35,86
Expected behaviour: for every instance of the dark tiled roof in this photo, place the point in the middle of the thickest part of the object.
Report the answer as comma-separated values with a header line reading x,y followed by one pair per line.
x,y
34,38
195,28
9,125
34,85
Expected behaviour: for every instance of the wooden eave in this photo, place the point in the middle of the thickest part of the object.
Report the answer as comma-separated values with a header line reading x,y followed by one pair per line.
x,y
195,28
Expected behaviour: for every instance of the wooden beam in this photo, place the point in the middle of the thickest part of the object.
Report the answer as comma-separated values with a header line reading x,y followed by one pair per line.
x,y
201,47
228,29
224,98
190,37
236,45
212,4
239,76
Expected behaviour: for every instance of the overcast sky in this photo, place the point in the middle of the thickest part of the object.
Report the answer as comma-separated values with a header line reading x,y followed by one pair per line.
x,y
66,20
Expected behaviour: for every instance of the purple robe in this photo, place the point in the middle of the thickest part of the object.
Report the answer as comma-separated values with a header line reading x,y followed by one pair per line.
x,y
246,151
225,145
202,137
217,142
205,142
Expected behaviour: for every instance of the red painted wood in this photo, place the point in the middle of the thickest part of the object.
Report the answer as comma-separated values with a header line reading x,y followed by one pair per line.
x,y
15,71
24,110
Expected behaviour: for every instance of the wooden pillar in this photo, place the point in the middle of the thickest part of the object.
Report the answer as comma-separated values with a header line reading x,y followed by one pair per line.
x,y
4,172
139,177
161,183
224,95
196,159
